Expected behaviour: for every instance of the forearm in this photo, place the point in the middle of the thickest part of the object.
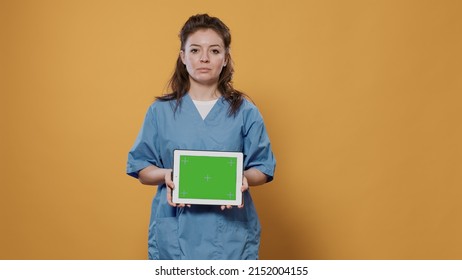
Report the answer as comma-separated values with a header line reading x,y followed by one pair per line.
x,y
255,177
153,175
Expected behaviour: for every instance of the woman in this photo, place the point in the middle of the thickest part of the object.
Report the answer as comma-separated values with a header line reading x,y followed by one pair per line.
x,y
203,112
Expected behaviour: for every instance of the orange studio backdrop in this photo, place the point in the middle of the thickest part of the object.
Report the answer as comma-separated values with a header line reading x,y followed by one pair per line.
x,y
362,101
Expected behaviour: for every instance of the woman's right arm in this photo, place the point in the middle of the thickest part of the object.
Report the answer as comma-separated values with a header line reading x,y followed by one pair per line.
x,y
153,175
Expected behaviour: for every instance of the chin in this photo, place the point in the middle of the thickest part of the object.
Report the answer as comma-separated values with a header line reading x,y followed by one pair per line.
x,y
206,81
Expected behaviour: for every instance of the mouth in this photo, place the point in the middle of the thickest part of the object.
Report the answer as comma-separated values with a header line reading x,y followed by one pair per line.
x,y
203,69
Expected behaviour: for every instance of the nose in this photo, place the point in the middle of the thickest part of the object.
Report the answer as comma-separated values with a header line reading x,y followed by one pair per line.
x,y
204,58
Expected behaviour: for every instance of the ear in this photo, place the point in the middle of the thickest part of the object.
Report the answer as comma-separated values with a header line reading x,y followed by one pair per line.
x,y
182,57
226,60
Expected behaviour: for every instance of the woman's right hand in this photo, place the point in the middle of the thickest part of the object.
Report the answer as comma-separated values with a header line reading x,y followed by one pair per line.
x,y
170,186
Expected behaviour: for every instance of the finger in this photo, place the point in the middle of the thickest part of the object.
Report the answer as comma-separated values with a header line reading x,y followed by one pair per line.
x,y
242,205
170,185
245,184
222,207
168,180
169,198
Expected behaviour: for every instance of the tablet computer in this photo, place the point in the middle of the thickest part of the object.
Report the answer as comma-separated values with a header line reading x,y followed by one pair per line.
x,y
207,177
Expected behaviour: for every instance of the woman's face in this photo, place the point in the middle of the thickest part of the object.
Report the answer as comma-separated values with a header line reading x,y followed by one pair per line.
x,y
204,55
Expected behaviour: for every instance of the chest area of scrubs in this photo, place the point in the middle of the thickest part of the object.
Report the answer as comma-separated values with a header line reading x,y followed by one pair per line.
x,y
185,129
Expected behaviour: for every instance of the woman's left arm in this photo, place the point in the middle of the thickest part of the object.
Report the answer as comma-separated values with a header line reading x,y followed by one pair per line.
x,y
255,177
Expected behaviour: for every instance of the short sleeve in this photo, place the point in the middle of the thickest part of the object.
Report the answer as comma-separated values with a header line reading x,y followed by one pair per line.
x,y
145,151
257,146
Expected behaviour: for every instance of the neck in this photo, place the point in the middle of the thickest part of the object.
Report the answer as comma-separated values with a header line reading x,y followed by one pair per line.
x,y
203,92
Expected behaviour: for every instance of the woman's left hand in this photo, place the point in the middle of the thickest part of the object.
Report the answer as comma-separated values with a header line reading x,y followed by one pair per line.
x,y
245,187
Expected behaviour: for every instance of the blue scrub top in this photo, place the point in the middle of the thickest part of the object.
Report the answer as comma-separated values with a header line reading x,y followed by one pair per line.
x,y
202,231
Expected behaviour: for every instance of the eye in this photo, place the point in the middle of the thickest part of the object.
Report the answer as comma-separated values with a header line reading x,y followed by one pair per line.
x,y
215,51
194,50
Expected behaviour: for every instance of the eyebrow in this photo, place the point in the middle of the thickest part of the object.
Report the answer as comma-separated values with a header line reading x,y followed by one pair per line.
x,y
197,45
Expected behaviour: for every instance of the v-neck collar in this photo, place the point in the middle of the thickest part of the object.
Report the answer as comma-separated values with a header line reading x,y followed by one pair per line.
x,y
211,115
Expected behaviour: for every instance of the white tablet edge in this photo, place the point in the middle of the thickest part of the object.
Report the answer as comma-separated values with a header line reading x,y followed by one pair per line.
x,y
176,168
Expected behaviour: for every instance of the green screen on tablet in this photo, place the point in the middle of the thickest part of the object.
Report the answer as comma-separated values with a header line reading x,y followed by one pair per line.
x,y
206,177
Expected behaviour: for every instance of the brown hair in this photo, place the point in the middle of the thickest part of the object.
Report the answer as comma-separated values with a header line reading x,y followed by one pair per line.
x,y
179,82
